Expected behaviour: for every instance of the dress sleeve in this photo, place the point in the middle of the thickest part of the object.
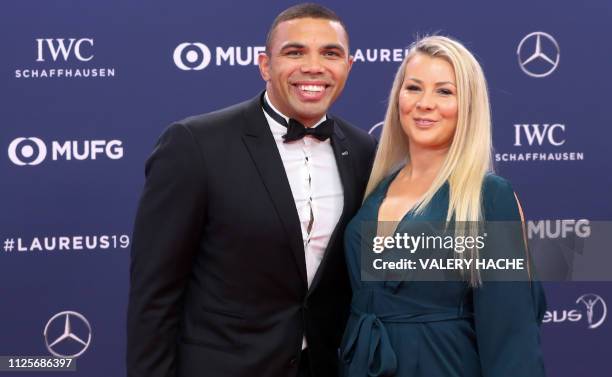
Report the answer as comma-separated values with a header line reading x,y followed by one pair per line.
x,y
507,314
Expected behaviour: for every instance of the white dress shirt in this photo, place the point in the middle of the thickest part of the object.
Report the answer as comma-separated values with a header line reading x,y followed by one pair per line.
x,y
315,183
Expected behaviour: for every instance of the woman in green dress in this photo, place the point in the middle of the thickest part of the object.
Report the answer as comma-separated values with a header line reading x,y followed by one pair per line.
x,y
434,164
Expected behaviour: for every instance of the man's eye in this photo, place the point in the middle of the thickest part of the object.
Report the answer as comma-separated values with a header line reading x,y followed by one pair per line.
x,y
331,53
294,53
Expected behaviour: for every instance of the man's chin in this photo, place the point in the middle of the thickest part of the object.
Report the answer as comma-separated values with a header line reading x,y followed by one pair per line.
x,y
310,119
314,111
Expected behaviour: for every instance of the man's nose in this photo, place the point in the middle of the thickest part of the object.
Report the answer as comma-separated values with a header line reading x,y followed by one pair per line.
x,y
312,64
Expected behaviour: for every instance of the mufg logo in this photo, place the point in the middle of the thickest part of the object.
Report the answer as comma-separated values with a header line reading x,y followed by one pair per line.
x,y
590,308
55,49
24,151
195,56
191,56
555,229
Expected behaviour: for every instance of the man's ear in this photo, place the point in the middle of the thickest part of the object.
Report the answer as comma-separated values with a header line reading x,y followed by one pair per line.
x,y
351,60
263,60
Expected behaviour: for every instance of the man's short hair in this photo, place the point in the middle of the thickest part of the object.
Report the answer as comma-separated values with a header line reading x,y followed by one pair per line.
x,y
305,10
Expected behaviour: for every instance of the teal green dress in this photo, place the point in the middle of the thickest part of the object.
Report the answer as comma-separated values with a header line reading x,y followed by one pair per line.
x,y
441,329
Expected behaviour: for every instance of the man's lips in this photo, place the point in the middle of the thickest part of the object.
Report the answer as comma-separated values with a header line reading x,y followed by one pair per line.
x,y
311,87
310,91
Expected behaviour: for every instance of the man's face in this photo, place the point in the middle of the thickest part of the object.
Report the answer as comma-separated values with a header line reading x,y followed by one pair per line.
x,y
307,67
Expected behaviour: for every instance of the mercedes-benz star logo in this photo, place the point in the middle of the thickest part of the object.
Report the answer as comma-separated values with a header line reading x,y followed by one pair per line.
x,y
590,300
537,61
69,334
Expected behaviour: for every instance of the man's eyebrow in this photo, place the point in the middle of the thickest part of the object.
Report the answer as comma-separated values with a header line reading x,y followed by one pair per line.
x,y
292,45
333,46
298,45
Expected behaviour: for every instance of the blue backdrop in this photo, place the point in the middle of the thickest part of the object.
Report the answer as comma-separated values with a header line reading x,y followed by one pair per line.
x,y
87,87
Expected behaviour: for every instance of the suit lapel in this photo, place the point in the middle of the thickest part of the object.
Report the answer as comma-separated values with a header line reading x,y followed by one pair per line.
x,y
260,143
345,169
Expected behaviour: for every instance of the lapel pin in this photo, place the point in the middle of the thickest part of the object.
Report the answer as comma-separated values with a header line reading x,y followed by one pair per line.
x,y
345,153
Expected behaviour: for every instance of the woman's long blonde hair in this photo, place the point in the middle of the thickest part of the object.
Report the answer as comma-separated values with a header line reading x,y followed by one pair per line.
x,y
469,156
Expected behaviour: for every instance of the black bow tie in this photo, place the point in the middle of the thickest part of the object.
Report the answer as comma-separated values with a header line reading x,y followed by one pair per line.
x,y
295,129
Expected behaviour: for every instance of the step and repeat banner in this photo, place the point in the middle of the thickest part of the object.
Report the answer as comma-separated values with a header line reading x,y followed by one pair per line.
x,y
87,87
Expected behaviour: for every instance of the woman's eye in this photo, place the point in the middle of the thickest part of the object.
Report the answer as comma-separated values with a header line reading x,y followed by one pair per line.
x,y
413,88
446,92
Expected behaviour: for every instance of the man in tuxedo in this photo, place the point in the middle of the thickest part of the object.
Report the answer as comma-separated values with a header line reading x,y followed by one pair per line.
x,y
237,259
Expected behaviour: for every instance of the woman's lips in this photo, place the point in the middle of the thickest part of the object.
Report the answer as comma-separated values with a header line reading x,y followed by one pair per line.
x,y
424,122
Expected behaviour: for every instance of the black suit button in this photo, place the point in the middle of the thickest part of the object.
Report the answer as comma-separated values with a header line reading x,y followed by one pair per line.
x,y
293,362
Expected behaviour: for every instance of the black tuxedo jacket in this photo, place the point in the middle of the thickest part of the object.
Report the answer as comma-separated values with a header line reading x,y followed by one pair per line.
x,y
218,275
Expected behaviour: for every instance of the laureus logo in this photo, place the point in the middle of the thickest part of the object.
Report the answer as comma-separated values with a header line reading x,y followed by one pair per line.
x,y
596,309
595,313
376,129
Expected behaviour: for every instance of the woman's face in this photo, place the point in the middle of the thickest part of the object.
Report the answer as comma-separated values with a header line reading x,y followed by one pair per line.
x,y
428,103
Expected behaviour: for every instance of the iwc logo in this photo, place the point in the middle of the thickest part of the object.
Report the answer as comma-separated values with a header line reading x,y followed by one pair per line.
x,y
67,334
64,58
